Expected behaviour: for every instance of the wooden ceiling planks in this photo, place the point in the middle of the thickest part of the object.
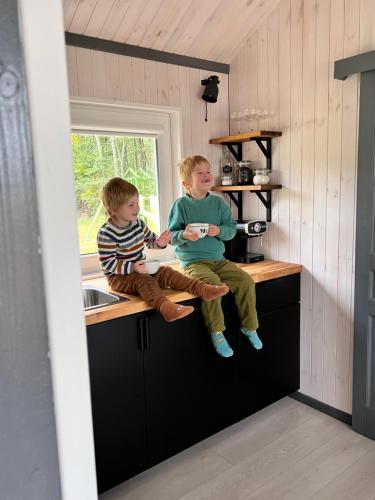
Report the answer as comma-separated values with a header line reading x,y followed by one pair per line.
x,y
206,29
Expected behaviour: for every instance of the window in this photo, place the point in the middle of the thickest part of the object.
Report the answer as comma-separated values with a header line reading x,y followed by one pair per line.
x,y
97,158
140,144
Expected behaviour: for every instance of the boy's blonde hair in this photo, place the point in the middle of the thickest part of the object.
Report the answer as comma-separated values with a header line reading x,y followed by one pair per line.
x,y
187,165
115,193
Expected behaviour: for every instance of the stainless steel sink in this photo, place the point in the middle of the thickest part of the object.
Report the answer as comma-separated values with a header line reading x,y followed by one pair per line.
x,y
95,297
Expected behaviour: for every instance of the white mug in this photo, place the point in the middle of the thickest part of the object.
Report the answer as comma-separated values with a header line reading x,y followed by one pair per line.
x,y
201,228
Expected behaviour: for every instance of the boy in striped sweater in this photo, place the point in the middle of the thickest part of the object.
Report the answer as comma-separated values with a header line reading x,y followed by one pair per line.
x,y
121,242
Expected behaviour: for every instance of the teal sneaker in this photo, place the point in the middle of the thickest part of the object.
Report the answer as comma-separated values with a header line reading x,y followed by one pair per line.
x,y
253,337
221,345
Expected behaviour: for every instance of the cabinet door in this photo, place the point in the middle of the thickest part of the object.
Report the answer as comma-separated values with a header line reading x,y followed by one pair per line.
x,y
117,397
273,372
189,388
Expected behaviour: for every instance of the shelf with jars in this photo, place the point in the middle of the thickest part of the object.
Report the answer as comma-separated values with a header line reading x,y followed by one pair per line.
x,y
247,177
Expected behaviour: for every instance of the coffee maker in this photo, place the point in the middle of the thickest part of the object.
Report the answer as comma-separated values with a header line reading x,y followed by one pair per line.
x,y
236,249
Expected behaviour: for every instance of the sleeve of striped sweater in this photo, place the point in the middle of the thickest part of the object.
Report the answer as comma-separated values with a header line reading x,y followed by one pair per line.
x,y
107,249
149,236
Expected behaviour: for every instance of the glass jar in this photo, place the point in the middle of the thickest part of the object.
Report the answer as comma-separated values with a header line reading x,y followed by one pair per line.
x,y
261,176
245,170
226,180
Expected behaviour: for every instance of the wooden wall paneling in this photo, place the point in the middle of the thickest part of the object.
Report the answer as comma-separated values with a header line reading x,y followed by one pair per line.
x,y
333,206
126,78
84,66
185,32
233,94
138,71
71,60
185,106
219,20
133,13
252,150
100,13
142,25
164,23
349,6
296,114
162,83
206,149
345,292
82,16
367,33
151,86
114,19
195,110
70,7
285,125
99,76
232,40
273,123
263,80
319,196
173,85
308,153
113,76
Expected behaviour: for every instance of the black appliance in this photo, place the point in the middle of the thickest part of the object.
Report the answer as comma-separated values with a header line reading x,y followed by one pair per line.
x,y
236,249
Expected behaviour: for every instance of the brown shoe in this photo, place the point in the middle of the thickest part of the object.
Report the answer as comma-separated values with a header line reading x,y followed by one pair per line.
x,y
171,311
211,292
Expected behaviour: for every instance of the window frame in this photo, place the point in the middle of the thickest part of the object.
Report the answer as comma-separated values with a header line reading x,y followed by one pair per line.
x,y
163,123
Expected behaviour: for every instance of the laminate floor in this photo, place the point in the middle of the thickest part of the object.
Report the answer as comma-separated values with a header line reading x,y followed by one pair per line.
x,y
286,451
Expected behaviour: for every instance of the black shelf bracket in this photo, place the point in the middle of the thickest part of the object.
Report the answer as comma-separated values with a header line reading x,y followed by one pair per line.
x,y
266,202
237,201
266,150
236,153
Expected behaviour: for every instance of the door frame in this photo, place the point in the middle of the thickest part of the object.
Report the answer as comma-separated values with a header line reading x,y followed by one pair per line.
x,y
42,33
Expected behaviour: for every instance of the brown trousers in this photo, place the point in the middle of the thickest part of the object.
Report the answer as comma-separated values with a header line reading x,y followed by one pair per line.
x,y
148,287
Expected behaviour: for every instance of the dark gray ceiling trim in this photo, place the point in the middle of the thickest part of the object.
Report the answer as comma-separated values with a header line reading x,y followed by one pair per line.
x,y
354,64
123,49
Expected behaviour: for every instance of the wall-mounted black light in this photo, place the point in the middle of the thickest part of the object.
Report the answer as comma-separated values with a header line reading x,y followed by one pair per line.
x,y
211,90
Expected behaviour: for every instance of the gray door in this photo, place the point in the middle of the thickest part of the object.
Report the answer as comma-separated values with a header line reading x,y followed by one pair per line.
x,y
364,309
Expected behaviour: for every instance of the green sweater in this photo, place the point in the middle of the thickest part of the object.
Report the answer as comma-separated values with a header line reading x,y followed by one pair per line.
x,y
211,209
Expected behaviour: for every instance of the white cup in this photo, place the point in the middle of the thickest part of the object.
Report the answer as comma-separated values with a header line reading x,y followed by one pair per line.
x,y
201,228
151,266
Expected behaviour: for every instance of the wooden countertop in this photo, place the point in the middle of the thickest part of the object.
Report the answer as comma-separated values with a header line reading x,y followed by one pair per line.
x,y
259,271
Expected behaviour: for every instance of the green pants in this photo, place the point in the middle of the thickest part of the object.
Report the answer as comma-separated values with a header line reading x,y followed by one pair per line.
x,y
214,272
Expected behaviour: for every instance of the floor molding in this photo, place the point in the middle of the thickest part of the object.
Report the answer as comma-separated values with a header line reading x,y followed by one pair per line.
x,y
323,407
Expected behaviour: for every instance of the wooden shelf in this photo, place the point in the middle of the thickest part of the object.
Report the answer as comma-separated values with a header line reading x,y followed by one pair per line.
x,y
247,136
257,187
263,139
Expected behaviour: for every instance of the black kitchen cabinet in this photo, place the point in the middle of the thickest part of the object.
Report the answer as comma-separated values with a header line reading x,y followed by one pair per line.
x,y
117,399
189,388
158,388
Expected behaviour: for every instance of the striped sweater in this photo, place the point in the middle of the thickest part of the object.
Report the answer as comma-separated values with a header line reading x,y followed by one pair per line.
x,y
120,247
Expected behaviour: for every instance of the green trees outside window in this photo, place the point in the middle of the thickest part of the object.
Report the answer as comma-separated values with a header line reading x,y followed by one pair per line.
x,y
97,158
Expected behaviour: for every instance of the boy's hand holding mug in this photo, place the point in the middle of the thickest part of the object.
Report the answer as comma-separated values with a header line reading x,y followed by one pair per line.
x,y
163,240
213,230
139,267
188,234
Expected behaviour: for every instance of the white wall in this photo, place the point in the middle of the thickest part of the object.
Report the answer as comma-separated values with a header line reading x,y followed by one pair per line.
x,y
287,66
109,76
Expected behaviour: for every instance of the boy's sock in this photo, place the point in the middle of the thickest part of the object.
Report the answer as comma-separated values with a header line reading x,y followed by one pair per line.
x,y
221,345
253,337
171,311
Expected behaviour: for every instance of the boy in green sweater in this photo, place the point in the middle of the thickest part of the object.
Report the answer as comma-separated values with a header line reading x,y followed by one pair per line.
x,y
203,258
